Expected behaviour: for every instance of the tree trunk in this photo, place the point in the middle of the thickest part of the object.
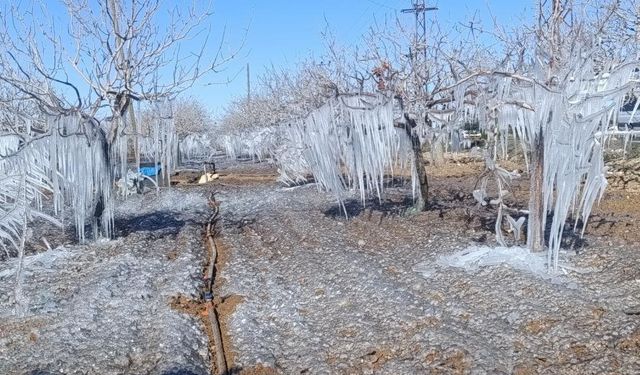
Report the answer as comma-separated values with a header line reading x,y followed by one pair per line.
x,y
418,161
418,158
134,128
535,227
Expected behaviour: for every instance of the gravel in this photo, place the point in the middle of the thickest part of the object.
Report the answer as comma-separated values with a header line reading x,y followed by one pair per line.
x,y
319,293
323,294
103,308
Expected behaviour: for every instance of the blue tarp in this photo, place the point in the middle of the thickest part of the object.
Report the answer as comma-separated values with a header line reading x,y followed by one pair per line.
x,y
150,171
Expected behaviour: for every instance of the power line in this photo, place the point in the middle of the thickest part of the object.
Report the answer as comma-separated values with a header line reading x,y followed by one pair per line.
x,y
420,9
357,25
381,5
419,53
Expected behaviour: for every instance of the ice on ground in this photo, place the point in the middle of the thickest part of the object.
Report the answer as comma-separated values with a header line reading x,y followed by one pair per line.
x,y
475,257
105,307
42,260
172,200
314,300
519,258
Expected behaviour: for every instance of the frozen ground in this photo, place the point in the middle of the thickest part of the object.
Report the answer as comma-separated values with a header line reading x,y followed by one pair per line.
x,y
304,290
104,308
322,294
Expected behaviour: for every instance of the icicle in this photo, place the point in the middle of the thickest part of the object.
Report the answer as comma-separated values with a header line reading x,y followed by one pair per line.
x,y
569,117
351,142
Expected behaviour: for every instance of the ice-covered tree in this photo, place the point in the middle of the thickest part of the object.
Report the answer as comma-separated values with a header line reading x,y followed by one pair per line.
x,y
81,79
427,98
191,117
559,103
260,127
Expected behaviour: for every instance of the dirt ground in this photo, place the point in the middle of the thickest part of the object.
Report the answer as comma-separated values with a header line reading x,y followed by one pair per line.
x,y
319,293
304,290
108,307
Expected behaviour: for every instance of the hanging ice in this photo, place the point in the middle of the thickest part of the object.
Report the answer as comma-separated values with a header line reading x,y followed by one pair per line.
x,y
569,116
351,142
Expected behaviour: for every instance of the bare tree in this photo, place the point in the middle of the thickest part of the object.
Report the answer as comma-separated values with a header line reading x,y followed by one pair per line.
x,y
110,54
191,116
559,98
431,96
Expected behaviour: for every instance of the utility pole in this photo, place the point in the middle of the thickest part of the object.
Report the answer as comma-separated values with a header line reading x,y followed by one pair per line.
x,y
419,61
419,53
248,85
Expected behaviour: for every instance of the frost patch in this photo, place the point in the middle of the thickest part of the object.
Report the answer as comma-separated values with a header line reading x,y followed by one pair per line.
x,y
473,258
519,258
168,200
41,261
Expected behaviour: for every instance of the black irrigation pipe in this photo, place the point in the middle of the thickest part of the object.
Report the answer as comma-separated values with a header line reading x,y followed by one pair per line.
x,y
221,362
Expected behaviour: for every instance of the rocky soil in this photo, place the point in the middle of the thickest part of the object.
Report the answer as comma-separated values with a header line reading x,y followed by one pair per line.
x,y
320,293
104,308
304,290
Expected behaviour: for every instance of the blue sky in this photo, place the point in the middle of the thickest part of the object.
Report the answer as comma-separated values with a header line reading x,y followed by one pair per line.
x,y
282,32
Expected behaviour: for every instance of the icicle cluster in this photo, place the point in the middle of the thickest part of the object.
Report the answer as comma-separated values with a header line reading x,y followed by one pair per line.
x,y
443,130
289,156
282,144
256,144
71,164
23,181
569,117
351,142
196,147
165,141
80,173
161,147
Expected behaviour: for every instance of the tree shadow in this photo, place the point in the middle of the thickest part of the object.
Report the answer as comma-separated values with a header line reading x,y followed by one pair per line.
x,y
151,222
571,239
454,199
485,220
354,207
179,372
396,182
